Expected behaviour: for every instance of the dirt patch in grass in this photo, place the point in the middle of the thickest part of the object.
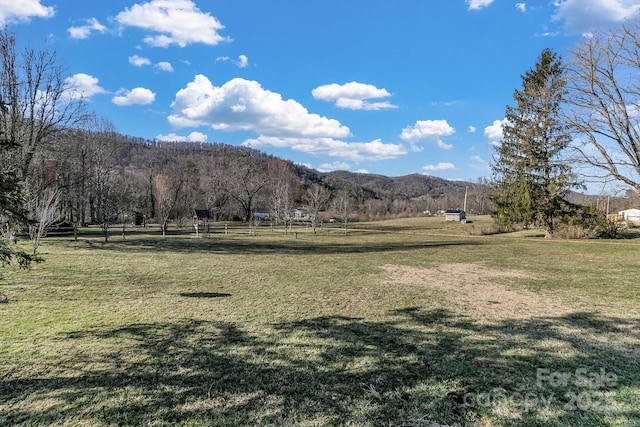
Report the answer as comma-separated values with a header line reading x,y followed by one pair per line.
x,y
481,292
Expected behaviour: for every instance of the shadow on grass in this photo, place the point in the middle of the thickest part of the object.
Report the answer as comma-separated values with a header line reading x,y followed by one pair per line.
x,y
204,294
417,369
289,247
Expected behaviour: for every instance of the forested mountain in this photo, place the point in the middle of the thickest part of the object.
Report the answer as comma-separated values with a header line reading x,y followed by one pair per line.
x,y
102,175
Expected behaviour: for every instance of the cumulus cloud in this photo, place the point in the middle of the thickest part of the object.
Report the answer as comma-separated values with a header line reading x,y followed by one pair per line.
x,y
139,61
522,7
244,105
493,132
24,10
428,130
471,129
164,66
442,166
478,4
334,166
137,96
353,96
192,137
582,16
176,22
242,62
84,31
354,151
82,85
241,104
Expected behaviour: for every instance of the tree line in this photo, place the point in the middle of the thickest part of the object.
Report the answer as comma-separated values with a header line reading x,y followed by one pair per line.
x,y
101,175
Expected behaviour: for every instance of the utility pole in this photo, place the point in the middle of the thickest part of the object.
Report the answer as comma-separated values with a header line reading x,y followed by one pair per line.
x,y
465,199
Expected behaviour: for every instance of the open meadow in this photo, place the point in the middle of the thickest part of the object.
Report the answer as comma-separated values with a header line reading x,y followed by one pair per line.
x,y
412,322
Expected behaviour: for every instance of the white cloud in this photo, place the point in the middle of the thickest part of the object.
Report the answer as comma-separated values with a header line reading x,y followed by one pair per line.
x,y
480,164
493,132
192,137
244,105
177,22
478,4
581,16
442,166
354,151
139,61
23,10
137,96
335,166
522,7
241,104
242,62
353,95
471,129
84,31
358,104
164,66
428,130
82,85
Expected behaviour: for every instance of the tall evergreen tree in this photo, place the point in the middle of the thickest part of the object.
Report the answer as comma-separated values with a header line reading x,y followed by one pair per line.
x,y
12,205
530,176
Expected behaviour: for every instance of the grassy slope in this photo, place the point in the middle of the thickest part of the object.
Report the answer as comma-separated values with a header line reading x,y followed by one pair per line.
x,y
310,329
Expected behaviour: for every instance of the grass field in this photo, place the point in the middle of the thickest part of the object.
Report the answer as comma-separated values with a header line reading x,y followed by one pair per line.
x,y
412,322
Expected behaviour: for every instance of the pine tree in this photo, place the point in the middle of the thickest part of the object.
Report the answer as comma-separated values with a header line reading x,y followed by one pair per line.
x,y
531,178
12,206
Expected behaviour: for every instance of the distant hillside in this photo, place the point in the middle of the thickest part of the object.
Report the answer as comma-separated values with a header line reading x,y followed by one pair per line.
x,y
384,187
127,173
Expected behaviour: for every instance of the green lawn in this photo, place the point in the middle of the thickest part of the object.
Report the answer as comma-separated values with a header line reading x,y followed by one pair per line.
x,y
413,322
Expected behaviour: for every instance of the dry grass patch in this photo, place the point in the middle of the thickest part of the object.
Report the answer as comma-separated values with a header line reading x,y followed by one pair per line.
x,y
480,291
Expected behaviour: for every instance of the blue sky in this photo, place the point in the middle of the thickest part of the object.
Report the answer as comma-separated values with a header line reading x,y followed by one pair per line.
x,y
378,86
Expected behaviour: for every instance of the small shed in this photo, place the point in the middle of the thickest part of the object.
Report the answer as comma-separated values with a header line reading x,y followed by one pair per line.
x,y
455,215
631,215
139,219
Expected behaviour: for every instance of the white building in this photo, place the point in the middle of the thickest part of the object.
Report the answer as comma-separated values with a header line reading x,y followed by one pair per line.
x,y
631,215
455,215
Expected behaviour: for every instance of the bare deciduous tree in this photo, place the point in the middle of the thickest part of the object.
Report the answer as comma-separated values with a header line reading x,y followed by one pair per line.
x,y
43,198
247,178
187,197
107,183
40,100
282,182
316,198
166,191
42,205
603,98
342,205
